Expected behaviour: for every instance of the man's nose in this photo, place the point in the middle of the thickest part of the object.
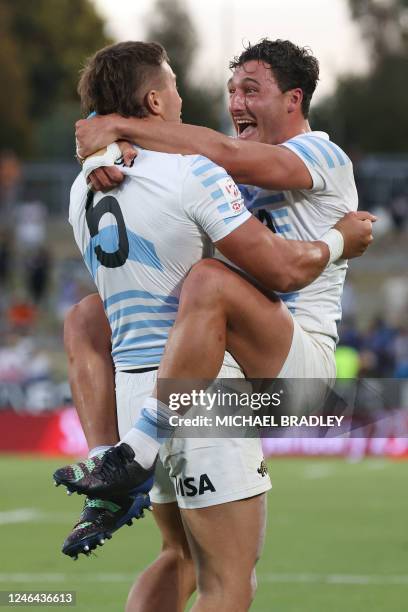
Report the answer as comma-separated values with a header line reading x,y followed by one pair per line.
x,y
237,102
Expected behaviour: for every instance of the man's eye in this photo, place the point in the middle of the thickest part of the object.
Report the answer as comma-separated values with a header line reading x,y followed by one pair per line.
x,y
231,91
251,90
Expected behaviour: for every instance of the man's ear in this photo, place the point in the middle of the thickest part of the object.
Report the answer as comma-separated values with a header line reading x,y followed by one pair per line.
x,y
295,98
153,102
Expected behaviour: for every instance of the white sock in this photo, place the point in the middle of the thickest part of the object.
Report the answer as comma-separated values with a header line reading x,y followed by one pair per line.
x,y
149,432
97,450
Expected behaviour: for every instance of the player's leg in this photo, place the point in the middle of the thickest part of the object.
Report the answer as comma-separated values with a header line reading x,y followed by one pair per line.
x,y
169,581
87,338
226,541
220,309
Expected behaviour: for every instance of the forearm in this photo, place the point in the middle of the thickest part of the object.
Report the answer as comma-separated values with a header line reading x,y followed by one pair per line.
x,y
277,264
303,262
172,137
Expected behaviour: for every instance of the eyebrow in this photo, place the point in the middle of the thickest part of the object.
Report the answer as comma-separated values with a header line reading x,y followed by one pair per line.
x,y
244,80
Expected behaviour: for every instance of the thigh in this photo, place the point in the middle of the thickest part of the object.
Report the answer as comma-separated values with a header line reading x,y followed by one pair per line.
x,y
168,519
226,540
259,326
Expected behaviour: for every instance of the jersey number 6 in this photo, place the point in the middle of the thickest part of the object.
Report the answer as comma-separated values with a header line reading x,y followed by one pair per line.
x,y
94,214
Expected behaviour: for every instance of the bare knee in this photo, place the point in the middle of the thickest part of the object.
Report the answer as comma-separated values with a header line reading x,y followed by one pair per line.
x,y
230,590
205,283
173,571
86,325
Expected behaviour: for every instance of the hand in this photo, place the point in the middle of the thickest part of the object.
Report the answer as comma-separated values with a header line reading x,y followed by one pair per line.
x,y
95,134
106,178
109,177
356,228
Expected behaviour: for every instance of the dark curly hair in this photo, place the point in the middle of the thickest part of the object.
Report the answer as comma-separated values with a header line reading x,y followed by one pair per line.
x,y
114,80
292,66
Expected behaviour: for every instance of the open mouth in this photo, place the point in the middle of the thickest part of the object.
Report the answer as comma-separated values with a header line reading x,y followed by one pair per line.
x,y
244,125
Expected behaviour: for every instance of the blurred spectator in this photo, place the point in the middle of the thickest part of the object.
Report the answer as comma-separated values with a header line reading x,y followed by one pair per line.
x,y
5,259
399,211
379,340
31,225
37,273
22,362
401,353
348,299
10,175
349,335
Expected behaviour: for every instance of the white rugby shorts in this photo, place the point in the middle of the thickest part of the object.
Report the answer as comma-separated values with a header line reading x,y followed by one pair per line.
x,y
195,472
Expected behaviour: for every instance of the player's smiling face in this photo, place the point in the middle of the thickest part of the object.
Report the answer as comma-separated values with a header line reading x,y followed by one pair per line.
x,y
257,106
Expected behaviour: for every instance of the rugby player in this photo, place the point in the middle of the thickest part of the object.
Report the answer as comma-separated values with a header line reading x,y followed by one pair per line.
x,y
292,271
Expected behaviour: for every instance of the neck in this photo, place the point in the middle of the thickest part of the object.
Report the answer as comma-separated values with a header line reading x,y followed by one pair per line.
x,y
301,126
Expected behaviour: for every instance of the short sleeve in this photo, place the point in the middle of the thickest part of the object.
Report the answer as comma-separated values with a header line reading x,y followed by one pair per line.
x,y
212,200
327,163
309,156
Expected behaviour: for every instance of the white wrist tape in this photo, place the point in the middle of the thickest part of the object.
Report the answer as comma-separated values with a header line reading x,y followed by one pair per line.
x,y
335,241
106,158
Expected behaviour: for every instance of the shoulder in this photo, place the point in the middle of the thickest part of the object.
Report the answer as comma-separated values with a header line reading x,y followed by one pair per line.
x,y
203,175
319,150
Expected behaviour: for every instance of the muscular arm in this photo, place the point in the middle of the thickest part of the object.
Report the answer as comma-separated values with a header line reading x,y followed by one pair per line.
x,y
252,163
276,263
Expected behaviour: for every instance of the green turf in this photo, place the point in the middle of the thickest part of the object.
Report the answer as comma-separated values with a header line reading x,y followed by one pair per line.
x,y
337,539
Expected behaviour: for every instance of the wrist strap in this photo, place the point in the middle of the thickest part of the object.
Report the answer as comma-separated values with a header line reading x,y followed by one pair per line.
x,y
335,241
105,157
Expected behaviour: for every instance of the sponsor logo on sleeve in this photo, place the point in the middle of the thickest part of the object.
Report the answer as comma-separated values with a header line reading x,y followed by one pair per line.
x,y
232,195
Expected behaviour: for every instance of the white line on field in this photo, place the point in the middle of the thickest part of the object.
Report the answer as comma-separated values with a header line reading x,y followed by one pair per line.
x,y
34,515
335,579
19,515
319,470
343,579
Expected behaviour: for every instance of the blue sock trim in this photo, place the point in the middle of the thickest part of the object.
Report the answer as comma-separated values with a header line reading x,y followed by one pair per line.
x,y
157,428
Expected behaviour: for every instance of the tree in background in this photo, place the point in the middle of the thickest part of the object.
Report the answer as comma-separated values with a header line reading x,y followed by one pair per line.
x,y
369,113
14,115
171,25
43,44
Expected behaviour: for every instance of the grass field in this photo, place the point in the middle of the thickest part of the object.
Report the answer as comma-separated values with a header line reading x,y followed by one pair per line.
x,y
337,539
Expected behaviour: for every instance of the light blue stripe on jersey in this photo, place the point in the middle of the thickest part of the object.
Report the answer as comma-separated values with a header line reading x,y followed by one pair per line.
x,y
140,357
135,293
140,249
151,323
304,151
290,300
204,168
139,309
283,229
223,208
214,178
150,338
341,156
321,148
200,158
281,212
229,220
217,194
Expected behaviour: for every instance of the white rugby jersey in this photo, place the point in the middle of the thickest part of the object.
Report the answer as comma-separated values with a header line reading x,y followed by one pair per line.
x,y
140,240
308,215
